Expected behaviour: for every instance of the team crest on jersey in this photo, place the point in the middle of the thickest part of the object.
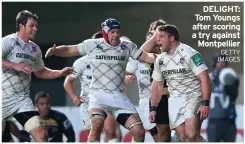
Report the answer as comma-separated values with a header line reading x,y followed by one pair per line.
x,y
182,60
17,43
123,47
99,47
34,50
160,62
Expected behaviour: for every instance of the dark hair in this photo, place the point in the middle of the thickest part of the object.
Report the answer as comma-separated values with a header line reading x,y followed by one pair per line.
x,y
156,23
41,95
171,30
148,34
97,35
22,18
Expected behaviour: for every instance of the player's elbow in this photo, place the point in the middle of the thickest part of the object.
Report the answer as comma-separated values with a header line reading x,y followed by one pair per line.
x,y
40,73
147,57
68,81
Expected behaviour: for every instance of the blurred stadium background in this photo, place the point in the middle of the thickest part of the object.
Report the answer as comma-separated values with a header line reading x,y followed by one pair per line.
x,y
73,22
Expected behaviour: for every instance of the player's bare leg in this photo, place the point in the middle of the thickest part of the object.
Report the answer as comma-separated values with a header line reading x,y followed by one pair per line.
x,y
164,133
136,128
88,131
97,122
192,129
154,134
180,130
110,129
118,133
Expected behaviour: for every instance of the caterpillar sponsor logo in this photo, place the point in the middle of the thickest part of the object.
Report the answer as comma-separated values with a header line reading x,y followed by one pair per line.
x,y
174,71
145,71
25,56
105,57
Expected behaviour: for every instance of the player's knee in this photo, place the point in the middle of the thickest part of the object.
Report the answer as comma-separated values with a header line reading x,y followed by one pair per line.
x,y
138,132
183,138
140,135
110,133
193,136
97,125
164,132
97,121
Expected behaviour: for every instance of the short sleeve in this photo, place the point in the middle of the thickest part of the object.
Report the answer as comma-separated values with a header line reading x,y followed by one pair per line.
x,y
39,64
7,46
196,62
84,47
78,66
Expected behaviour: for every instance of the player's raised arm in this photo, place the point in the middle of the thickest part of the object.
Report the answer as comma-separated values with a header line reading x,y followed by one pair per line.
x,y
148,57
63,51
82,48
47,73
150,43
147,47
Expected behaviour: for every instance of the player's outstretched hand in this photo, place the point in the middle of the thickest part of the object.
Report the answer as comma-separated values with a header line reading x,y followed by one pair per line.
x,y
50,51
67,70
152,116
77,100
22,67
204,112
129,79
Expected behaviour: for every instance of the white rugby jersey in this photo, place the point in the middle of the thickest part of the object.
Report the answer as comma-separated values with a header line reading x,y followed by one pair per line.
x,y
108,63
143,73
16,83
180,71
83,72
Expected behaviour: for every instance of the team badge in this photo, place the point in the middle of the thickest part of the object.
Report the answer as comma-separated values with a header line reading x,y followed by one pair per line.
x,y
123,47
34,50
160,62
182,60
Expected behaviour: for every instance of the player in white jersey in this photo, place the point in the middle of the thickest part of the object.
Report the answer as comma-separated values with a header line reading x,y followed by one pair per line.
x,y
84,73
109,57
21,57
143,74
188,83
141,71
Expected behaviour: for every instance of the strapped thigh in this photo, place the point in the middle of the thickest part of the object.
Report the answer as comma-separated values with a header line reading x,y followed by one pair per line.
x,y
98,115
139,122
